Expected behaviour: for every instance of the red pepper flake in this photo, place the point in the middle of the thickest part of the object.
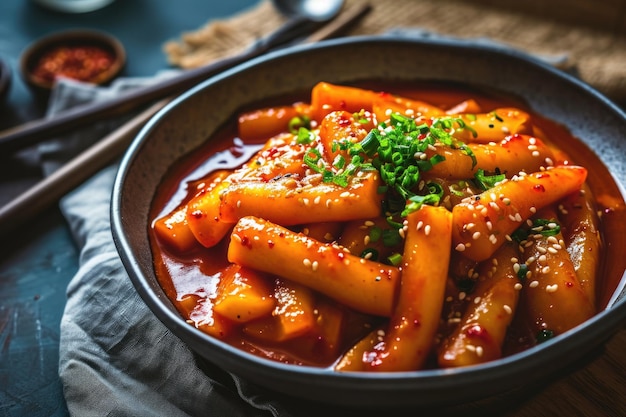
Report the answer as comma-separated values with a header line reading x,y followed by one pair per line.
x,y
80,62
477,331
539,187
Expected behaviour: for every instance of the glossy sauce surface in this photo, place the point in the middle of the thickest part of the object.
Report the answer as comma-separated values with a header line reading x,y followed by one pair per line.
x,y
191,278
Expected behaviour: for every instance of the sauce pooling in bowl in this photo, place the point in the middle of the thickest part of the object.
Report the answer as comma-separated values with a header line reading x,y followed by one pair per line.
x,y
382,230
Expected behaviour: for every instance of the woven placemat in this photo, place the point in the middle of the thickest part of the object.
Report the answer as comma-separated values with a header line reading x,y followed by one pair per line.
x,y
599,52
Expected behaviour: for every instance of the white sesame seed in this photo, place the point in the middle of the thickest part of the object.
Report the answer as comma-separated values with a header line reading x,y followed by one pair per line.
x,y
460,247
552,250
479,351
476,235
552,288
518,286
508,309
344,194
462,295
534,284
315,265
493,239
427,230
306,262
545,269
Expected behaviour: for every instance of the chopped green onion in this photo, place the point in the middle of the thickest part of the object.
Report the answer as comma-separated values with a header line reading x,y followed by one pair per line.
x,y
391,237
417,201
546,227
522,272
519,235
485,182
298,122
395,259
305,136
375,234
370,253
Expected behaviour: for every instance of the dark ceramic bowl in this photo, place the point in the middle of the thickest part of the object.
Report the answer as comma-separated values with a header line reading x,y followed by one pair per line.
x,y
191,119
31,56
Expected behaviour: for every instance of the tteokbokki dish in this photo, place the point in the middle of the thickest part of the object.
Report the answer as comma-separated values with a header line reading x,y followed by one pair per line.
x,y
365,229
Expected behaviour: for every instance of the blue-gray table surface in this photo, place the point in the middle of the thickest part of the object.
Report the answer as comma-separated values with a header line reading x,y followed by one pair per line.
x,y
39,258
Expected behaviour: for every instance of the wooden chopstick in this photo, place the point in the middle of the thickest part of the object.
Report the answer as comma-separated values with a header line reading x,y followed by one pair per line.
x,y
49,190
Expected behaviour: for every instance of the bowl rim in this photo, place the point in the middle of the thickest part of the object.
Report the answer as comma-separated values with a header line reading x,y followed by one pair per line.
x,y
545,356
71,36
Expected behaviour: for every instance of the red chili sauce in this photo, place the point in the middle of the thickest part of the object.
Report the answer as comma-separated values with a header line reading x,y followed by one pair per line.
x,y
191,278
80,62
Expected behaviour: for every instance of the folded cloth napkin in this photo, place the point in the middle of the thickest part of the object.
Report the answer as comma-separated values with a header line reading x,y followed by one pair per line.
x,y
116,357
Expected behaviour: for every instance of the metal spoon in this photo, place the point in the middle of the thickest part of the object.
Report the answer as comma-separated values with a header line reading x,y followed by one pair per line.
x,y
306,17
315,10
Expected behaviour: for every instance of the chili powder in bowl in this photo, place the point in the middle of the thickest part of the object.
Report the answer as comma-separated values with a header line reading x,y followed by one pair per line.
x,y
83,55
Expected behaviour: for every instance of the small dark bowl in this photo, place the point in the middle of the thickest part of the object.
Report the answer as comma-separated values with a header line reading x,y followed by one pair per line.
x,y
5,79
72,38
191,119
